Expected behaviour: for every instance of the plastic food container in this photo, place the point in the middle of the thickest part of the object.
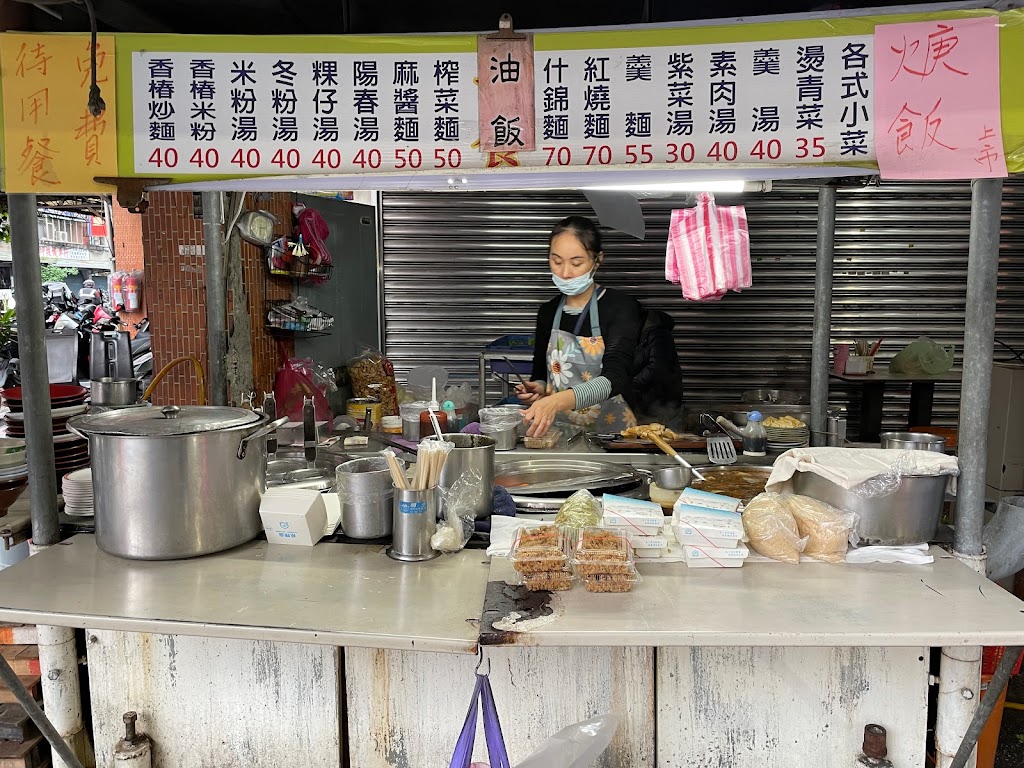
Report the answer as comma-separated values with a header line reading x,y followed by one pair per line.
x,y
539,550
391,425
648,547
612,582
714,557
710,522
688,536
647,526
700,498
603,551
549,581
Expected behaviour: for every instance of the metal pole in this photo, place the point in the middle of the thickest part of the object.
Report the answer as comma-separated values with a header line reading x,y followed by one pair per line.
x,y
822,313
35,376
979,337
216,296
981,715
28,703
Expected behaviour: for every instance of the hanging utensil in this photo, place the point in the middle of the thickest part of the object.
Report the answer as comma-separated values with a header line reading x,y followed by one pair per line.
x,y
512,368
721,448
668,449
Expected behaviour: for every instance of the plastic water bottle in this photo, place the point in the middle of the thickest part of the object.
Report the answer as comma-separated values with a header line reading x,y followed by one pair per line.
x,y
755,439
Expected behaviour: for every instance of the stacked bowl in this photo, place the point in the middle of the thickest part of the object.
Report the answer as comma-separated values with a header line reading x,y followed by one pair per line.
x,y
70,451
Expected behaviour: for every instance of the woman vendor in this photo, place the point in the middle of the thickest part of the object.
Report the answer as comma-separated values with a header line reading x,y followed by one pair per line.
x,y
585,340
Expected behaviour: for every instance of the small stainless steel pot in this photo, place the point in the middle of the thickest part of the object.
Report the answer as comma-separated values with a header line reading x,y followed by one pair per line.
x,y
914,441
673,478
367,494
108,391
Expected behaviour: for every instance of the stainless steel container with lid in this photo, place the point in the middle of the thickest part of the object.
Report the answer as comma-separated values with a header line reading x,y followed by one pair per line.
x,y
367,493
908,515
913,441
471,452
172,482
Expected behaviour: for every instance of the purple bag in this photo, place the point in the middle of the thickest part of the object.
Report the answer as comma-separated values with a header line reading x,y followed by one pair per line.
x,y
463,755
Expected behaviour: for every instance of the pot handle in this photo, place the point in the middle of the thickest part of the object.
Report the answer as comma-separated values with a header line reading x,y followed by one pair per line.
x,y
266,429
74,431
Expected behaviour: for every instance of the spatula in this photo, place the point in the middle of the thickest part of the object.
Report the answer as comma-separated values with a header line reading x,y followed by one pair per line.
x,y
721,448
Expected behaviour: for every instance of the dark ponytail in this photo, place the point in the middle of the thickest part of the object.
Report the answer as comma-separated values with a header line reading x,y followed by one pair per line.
x,y
585,231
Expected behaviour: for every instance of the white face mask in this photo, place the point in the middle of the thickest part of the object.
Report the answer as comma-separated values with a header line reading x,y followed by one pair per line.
x,y
573,286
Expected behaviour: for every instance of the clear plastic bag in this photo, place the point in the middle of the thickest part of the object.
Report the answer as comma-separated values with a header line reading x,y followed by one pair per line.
x,y
577,746
500,417
1004,539
828,531
922,357
456,527
772,530
581,510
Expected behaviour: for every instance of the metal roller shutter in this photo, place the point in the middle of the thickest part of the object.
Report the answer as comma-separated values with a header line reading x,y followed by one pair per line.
x,y
462,269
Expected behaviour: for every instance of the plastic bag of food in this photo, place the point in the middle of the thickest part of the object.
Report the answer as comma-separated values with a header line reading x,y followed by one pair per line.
x,y
456,527
772,529
828,531
922,357
373,375
581,510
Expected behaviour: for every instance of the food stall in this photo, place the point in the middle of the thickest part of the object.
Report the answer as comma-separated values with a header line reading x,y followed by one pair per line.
x,y
336,654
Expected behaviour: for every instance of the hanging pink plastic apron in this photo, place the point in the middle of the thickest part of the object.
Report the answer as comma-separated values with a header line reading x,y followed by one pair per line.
x,y
573,358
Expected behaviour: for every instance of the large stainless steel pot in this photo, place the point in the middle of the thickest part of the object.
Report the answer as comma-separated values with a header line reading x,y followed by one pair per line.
x,y
909,515
913,441
173,482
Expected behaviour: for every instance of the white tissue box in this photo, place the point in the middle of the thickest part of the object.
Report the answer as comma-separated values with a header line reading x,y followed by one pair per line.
x,y
297,516
714,523
715,557
687,535
698,498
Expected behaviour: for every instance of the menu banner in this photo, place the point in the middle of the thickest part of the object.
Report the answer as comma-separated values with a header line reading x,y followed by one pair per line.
x,y
786,102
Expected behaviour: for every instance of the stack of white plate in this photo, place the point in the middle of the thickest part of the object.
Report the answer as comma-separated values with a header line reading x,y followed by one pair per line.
x,y
782,439
77,488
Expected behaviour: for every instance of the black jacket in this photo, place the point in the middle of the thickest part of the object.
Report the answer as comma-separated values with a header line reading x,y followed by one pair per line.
x,y
657,376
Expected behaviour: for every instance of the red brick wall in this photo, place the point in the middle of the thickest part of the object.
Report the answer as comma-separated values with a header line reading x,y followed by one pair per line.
x,y
128,254
175,293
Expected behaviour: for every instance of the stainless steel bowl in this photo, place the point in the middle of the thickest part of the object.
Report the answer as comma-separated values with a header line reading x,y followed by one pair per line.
x,y
913,441
908,515
673,478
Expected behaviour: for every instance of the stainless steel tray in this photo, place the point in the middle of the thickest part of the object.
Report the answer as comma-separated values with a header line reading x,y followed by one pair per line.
x,y
554,476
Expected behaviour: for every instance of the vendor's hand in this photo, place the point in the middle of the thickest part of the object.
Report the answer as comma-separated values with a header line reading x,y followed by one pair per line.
x,y
541,415
530,392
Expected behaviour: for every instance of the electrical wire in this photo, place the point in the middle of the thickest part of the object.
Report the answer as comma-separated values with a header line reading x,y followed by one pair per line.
x,y
1015,353
96,104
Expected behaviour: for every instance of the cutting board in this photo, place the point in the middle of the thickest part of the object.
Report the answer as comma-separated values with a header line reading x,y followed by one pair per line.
x,y
646,446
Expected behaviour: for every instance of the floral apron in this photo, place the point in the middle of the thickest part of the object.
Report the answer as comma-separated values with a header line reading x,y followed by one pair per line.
x,y
573,358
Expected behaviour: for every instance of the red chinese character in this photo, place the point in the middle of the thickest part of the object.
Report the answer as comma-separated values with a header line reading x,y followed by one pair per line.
x,y
904,126
31,60
932,124
37,157
988,153
34,105
941,44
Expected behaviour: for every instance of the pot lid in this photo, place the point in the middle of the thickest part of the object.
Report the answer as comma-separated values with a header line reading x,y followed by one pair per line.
x,y
166,421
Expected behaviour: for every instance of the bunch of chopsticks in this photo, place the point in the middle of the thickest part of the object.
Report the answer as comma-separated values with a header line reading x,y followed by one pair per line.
x,y
865,348
431,457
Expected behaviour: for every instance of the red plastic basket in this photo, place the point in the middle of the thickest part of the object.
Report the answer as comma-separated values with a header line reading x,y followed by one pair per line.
x,y
990,657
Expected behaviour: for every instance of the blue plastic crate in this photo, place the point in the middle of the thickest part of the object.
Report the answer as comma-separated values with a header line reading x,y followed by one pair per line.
x,y
514,342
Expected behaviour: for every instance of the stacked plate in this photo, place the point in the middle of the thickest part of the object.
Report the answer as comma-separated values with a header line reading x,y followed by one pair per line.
x,y
66,400
782,439
77,490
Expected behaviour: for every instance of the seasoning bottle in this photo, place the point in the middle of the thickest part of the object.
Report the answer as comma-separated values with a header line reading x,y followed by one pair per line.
x,y
755,439
448,408
426,428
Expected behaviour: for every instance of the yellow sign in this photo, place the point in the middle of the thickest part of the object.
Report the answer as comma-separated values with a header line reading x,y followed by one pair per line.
x,y
52,143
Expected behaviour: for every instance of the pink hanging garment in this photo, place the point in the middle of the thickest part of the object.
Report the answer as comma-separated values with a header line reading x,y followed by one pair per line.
x,y
708,251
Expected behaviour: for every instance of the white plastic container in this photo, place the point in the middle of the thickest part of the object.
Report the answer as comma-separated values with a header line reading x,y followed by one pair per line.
x,y
710,522
296,516
689,536
700,498
649,526
714,557
647,547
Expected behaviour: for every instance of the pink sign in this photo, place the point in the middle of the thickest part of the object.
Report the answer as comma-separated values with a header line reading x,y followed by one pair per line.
x,y
937,100
505,78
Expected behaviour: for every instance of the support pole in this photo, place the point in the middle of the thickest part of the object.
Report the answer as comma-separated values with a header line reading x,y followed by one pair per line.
x,y
822,313
35,377
216,296
979,338
959,691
